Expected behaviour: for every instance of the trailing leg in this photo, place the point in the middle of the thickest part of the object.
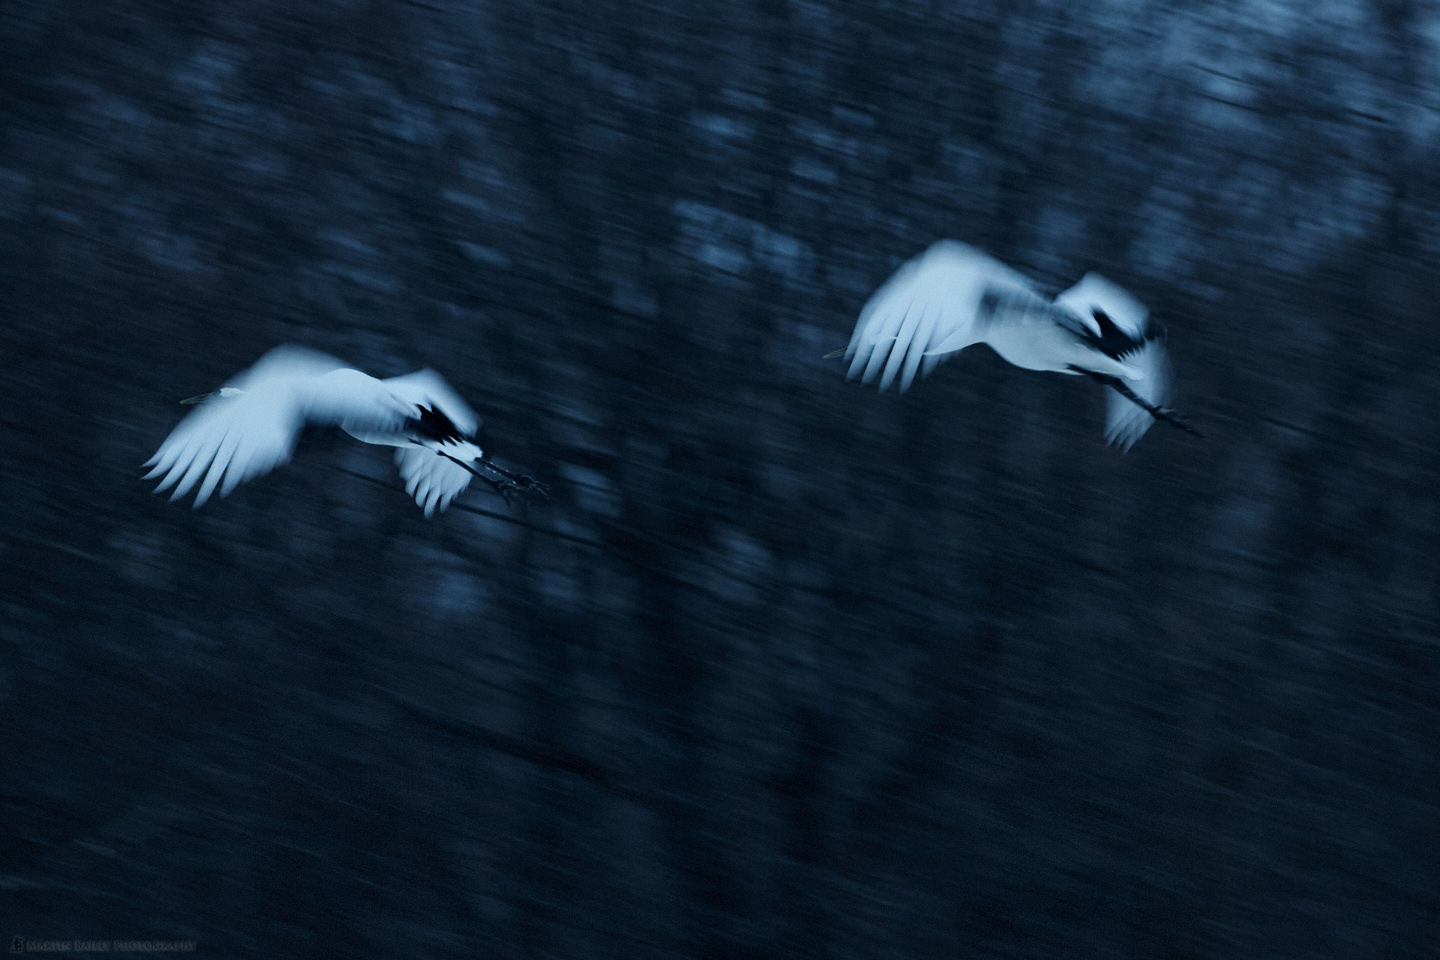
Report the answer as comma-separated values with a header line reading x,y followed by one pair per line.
x,y
1172,417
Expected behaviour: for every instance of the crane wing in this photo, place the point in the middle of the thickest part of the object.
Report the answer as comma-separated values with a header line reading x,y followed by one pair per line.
x,y
247,428
434,480
1126,421
428,388
1094,292
931,307
431,479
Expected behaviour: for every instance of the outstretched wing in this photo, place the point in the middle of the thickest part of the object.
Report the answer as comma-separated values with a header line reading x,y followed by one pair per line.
x,y
931,307
431,479
250,426
1125,420
434,480
242,431
428,389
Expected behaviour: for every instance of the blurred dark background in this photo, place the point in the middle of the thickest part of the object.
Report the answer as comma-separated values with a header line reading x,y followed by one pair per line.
x,y
787,668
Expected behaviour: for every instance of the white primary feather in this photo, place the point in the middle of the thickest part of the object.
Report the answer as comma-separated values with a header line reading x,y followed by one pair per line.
x,y
251,425
431,479
930,308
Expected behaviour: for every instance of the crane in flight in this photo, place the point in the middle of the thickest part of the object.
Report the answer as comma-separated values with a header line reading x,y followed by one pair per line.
x,y
250,426
953,296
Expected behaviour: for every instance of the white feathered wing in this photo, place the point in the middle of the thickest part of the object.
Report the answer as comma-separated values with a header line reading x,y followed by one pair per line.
x,y
435,480
1125,421
250,426
929,309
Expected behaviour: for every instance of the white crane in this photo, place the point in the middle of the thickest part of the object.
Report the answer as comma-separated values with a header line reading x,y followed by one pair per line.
x,y
954,295
250,425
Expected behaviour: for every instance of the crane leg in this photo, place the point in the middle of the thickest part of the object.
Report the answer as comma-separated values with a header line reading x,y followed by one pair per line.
x,y
509,484
1172,417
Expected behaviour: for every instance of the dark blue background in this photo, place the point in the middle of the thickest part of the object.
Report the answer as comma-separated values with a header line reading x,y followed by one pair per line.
x,y
787,668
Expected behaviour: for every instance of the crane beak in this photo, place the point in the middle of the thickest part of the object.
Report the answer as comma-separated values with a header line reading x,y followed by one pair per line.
x,y
200,399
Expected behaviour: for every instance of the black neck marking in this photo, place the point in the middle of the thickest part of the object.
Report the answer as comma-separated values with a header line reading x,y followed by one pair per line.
x,y
1113,342
436,426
